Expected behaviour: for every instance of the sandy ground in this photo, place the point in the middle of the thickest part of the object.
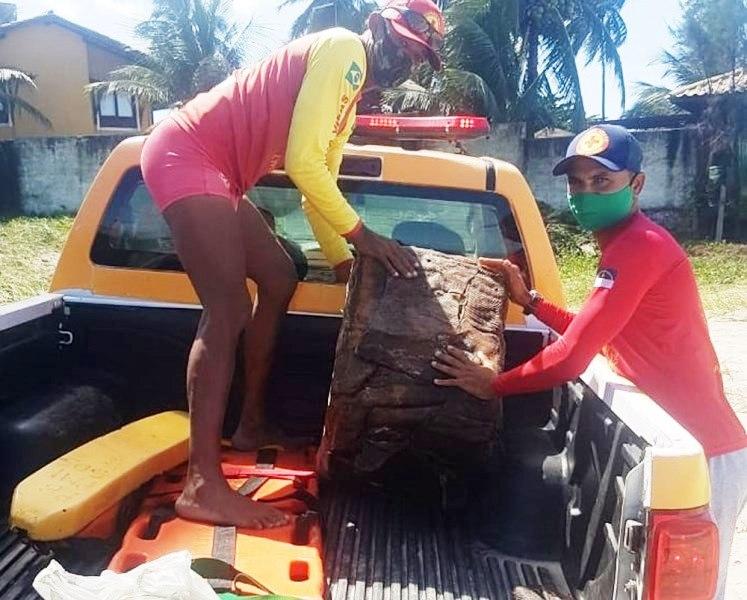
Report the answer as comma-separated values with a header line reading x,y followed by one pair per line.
x,y
729,335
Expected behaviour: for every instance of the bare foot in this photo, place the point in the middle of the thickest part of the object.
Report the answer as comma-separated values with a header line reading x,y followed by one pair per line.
x,y
217,503
253,438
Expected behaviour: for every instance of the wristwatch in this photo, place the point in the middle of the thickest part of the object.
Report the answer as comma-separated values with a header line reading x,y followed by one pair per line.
x,y
534,299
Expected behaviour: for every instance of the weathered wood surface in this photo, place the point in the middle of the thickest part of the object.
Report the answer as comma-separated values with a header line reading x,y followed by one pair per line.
x,y
383,403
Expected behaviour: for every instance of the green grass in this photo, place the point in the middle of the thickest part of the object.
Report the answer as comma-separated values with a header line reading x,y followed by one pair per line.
x,y
721,271
577,276
30,247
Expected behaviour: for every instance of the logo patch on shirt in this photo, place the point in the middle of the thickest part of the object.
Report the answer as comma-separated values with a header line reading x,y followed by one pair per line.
x,y
354,75
605,278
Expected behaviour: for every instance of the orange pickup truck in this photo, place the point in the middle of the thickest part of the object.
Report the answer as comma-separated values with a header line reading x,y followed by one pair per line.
x,y
598,482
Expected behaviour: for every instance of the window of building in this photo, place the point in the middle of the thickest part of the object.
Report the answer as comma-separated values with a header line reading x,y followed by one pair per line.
x,y
117,111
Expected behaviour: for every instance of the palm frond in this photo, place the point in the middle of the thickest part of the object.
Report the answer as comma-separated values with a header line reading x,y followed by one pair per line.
x,y
459,10
451,91
12,83
351,14
10,76
682,68
191,44
147,86
19,105
652,100
473,50
561,60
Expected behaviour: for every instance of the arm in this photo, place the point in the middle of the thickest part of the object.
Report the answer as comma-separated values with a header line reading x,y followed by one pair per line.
x,y
321,124
518,292
334,75
333,245
553,316
607,310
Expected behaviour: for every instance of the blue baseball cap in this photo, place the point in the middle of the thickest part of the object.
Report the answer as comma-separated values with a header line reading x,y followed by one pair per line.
x,y
612,146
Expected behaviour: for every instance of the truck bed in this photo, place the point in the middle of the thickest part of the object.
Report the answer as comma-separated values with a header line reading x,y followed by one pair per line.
x,y
498,532
547,516
381,547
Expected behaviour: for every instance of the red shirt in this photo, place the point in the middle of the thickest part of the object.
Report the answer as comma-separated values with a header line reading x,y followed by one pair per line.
x,y
645,316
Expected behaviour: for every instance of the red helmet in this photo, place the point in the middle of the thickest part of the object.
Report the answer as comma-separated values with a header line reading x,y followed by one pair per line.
x,y
420,21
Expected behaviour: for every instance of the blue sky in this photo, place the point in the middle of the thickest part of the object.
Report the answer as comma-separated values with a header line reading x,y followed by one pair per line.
x,y
647,22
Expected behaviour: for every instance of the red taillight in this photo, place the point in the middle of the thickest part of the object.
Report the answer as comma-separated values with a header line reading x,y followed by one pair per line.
x,y
445,128
682,556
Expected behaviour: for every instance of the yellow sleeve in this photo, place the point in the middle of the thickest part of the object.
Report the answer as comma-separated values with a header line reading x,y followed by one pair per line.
x,y
334,247
321,124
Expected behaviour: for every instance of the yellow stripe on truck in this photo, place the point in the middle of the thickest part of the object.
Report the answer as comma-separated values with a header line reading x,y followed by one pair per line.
x,y
667,474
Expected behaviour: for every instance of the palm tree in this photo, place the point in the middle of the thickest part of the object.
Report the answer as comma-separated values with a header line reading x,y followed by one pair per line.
x,y
600,30
351,14
13,83
516,59
192,45
710,40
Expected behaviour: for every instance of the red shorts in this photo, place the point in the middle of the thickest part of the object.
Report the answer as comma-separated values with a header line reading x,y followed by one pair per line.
x,y
175,167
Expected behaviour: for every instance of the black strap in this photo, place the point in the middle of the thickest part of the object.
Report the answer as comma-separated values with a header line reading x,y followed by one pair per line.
x,y
490,174
301,535
161,514
298,493
267,458
223,576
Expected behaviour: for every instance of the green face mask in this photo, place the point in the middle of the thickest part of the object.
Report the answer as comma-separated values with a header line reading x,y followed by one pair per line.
x,y
598,211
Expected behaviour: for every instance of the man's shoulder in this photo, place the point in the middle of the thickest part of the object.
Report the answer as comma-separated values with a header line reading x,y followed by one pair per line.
x,y
641,248
643,234
338,39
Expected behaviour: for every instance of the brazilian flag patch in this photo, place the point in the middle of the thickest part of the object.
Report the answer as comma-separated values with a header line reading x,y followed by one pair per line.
x,y
354,75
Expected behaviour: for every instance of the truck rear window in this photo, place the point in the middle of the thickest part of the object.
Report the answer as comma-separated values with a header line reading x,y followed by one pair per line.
x,y
134,235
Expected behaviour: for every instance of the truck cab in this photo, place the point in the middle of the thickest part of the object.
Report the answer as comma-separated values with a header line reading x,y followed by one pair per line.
x,y
601,494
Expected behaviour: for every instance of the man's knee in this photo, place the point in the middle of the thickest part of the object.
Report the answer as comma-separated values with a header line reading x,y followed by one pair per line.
x,y
279,282
228,318
282,287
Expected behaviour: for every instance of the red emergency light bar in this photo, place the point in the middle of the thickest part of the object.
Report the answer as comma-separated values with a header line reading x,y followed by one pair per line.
x,y
421,128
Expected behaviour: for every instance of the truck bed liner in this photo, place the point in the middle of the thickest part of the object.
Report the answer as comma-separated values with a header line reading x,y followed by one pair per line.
x,y
20,561
381,547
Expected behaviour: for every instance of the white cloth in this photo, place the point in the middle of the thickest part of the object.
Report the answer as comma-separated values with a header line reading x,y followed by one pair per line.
x,y
728,497
167,578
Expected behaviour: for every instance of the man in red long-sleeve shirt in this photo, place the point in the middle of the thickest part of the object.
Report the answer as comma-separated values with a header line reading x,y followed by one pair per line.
x,y
644,314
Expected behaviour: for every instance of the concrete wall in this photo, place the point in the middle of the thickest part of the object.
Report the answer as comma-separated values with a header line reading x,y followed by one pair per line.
x,y
505,141
669,164
62,64
50,175
668,161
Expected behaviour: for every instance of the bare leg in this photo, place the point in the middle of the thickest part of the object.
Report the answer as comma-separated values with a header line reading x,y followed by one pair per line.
x,y
209,242
268,265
